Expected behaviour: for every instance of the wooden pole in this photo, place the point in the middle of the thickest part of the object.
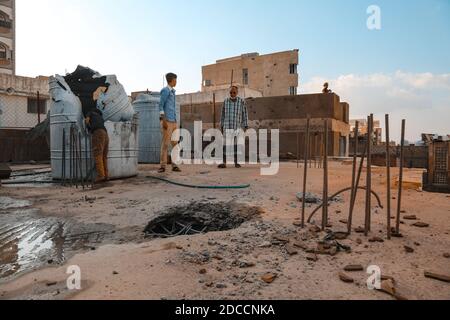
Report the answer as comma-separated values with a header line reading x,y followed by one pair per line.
x,y
353,194
325,178
369,176
400,180
388,177
305,173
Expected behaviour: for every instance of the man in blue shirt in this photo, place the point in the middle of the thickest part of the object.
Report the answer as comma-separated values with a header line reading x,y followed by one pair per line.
x,y
168,117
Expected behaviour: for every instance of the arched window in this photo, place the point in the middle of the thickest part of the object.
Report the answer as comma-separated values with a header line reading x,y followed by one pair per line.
x,y
3,51
5,21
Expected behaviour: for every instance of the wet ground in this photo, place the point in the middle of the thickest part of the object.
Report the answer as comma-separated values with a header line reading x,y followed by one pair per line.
x,y
30,240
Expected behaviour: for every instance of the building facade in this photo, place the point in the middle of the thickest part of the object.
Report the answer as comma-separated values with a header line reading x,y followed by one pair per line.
x,y
20,107
7,37
273,74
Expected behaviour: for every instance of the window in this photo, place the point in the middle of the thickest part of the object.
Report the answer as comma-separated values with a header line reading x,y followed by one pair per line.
x,y
245,77
207,83
293,68
3,51
33,106
293,91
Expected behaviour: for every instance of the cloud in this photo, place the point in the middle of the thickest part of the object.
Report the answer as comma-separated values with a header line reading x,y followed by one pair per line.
x,y
423,99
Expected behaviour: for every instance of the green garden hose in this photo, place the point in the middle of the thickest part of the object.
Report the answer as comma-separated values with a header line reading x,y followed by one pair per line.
x,y
245,186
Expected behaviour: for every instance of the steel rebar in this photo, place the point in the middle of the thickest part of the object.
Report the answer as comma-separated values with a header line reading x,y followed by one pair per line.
x,y
305,170
368,177
354,190
325,178
80,160
400,182
388,179
63,176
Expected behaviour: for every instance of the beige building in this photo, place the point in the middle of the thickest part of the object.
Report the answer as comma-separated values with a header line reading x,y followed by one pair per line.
x,y
19,108
273,74
7,37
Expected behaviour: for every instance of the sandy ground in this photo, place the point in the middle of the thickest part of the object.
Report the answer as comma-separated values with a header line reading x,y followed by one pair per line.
x,y
230,264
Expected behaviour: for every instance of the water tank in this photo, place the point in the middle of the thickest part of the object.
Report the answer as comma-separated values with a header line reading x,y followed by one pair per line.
x,y
123,148
147,108
66,113
115,103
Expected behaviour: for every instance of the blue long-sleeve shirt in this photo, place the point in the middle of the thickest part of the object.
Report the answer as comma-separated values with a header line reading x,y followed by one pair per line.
x,y
167,104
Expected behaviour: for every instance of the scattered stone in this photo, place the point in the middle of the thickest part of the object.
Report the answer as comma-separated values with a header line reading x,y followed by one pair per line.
x,y
447,255
315,229
51,284
300,245
297,223
388,286
281,238
115,273
246,264
202,271
409,249
421,225
440,277
354,267
376,239
345,278
340,235
417,244
410,217
269,277
312,257
291,250
309,198
359,241
344,221
221,286
265,244
360,230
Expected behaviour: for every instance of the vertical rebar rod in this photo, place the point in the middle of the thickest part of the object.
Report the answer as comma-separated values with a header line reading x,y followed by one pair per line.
x,y
355,163
92,160
63,157
368,178
298,150
75,144
86,158
325,178
305,169
80,160
71,156
400,179
388,179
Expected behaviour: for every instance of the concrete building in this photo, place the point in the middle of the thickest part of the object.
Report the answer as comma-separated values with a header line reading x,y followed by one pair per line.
x,y
273,74
19,108
288,114
7,37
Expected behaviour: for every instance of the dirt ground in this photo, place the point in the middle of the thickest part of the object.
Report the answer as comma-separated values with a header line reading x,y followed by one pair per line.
x,y
101,231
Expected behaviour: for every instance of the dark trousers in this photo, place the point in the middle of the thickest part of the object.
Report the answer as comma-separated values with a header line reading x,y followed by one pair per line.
x,y
235,153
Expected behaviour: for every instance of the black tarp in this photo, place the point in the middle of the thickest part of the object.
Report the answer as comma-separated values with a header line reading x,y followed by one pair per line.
x,y
83,84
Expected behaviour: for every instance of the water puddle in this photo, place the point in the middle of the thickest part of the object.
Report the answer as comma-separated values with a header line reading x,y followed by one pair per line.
x,y
29,241
10,203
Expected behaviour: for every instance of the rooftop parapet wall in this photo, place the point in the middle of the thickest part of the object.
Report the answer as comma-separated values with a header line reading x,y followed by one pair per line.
x,y
23,86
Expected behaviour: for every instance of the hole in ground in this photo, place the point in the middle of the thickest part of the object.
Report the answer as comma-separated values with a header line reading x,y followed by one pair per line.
x,y
200,217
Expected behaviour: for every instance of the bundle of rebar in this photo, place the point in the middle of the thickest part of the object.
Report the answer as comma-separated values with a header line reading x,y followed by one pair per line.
x,y
76,176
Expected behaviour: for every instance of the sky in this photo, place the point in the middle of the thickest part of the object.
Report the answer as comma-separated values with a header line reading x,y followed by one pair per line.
x,y
402,69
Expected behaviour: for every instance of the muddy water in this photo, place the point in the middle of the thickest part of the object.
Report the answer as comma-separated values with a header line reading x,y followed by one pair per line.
x,y
29,241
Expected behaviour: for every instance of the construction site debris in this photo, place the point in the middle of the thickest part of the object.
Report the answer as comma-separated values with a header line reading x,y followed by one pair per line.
x,y
354,268
421,225
345,278
269,277
436,276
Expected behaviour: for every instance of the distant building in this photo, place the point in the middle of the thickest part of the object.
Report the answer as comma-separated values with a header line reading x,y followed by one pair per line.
x,y
19,107
7,37
273,74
